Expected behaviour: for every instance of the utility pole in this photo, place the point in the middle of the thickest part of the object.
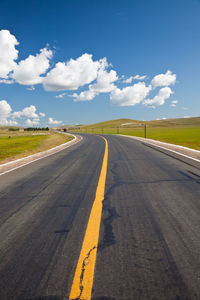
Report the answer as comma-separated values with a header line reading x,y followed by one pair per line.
x,y
145,131
102,130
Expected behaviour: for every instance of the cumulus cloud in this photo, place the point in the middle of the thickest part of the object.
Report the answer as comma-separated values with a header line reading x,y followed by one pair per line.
x,y
61,95
85,95
32,122
27,112
52,121
31,88
8,53
164,79
104,82
138,77
130,95
173,103
72,74
5,122
160,98
6,81
28,115
5,110
29,71
128,80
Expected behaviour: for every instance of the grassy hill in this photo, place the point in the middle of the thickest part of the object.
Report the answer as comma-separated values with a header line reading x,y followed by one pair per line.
x,y
154,123
183,131
113,123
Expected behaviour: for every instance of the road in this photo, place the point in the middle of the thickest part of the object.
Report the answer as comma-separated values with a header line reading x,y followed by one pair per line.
x,y
149,242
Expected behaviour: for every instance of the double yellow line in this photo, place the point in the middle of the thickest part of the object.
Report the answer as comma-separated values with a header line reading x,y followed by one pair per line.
x,y
84,274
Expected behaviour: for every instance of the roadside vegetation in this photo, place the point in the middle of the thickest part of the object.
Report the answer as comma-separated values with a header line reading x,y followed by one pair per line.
x,y
184,131
15,144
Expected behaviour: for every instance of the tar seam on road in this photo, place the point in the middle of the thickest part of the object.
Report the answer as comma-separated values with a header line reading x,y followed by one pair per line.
x,y
84,274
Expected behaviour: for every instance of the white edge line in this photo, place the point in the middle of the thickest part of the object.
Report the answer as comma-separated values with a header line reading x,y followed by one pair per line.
x,y
144,141
15,168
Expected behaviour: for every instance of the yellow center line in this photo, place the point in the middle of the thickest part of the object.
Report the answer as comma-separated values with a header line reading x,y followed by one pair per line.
x,y
83,279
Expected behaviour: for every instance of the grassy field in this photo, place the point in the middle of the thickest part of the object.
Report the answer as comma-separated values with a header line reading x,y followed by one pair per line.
x,y
15,145
185,131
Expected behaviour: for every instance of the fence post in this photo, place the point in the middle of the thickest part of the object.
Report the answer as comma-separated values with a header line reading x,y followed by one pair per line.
x,y
145,131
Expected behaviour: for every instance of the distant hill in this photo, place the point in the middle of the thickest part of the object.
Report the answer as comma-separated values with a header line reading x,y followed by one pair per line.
x,y
114,123
157,123
175,122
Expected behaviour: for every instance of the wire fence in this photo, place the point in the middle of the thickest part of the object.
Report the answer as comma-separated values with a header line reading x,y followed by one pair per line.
x,y
188,135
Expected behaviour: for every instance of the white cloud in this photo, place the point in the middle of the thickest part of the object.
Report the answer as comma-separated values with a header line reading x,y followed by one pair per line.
x,y
42,114
5,122
33,122
8,53
85,95
5,110
173,103
130,95
28,112
31,88
6,81
186,117
52,121
29,71
72,74
164,79
104,83
61,95
160,98
128,80
138,77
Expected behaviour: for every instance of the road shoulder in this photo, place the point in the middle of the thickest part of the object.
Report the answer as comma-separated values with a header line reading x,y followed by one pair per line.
x,y
15,164
188,155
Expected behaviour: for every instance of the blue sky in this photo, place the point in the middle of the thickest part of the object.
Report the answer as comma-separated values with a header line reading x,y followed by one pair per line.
x,y
109,41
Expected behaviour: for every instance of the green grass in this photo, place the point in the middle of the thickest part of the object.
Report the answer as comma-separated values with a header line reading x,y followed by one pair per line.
x,y
188,137
19,144
22,145
184,131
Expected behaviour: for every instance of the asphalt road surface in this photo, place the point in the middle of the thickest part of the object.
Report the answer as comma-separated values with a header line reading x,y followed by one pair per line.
x,y
149,244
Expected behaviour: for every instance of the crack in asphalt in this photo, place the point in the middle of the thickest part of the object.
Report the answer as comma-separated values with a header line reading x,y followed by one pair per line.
x,y
84,264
